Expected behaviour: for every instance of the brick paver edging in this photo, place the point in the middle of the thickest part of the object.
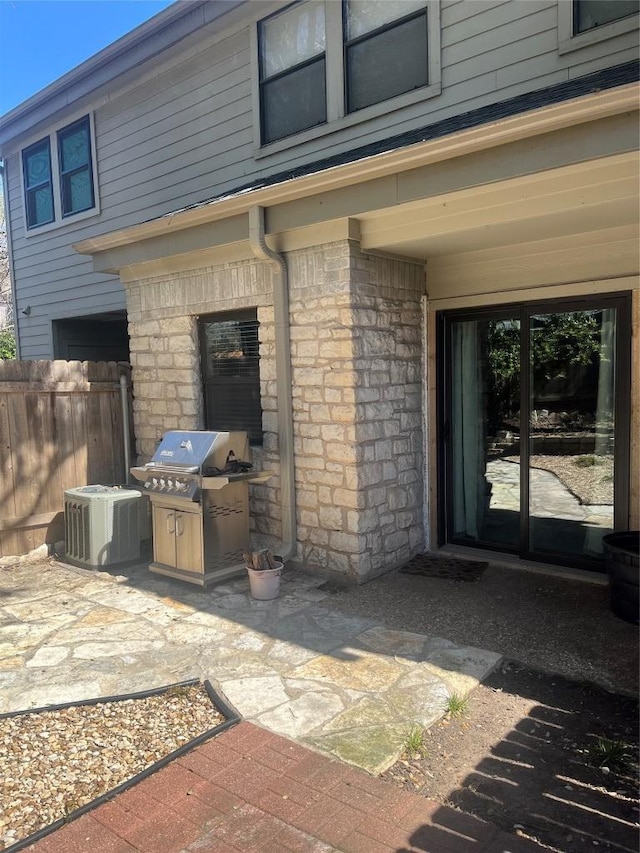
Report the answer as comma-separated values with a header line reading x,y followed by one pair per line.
x,y
219,703
251,791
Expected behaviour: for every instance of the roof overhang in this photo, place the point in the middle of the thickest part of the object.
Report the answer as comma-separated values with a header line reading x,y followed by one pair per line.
x,y
385,181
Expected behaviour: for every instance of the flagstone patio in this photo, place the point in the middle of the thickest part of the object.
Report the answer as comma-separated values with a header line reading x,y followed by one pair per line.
x,y
344,685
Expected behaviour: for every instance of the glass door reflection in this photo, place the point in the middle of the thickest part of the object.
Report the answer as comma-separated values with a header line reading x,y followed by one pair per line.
x,y
485,431
571,431
536,427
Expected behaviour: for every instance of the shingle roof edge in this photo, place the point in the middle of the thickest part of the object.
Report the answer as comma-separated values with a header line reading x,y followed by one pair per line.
x,y
601,80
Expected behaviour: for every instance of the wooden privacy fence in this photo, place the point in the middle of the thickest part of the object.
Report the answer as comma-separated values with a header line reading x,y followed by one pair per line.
x,y
60,427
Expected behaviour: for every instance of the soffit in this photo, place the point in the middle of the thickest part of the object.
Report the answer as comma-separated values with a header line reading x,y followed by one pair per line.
x,y
538,140
574,199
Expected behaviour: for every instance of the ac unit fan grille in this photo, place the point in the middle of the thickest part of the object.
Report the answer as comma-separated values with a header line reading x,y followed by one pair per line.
x,y
100,532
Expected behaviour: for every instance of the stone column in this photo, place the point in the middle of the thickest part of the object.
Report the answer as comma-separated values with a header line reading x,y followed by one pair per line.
x,y
356,354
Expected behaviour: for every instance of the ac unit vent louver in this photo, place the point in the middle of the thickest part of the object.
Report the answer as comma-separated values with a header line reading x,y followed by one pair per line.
x,y
102,525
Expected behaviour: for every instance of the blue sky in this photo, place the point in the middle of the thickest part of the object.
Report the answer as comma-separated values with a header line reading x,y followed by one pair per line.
x,y
40,40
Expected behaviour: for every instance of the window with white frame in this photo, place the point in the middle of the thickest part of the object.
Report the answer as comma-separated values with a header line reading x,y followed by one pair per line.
x,y
582,23
292,70
326,62
59,175
589,14
74,161
386,50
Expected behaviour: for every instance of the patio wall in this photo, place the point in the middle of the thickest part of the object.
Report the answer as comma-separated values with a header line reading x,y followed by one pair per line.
x,y
356,365
60,427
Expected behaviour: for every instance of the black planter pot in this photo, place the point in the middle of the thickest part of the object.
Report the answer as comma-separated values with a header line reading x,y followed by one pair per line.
x,y
622,557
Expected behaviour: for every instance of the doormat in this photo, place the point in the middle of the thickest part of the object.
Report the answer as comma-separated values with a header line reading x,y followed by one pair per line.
x,y
440,566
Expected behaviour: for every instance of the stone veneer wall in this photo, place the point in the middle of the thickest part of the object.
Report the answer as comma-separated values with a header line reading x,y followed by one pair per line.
x,y
165,360
356,356
356,362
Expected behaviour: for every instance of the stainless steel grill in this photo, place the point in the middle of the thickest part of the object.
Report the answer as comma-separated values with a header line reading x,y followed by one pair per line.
x,y
197,482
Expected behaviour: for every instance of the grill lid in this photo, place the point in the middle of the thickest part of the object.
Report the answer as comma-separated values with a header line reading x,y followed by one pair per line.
x,y
197,450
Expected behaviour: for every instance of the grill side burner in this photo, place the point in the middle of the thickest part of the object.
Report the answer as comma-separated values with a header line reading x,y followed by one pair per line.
x,y
200,522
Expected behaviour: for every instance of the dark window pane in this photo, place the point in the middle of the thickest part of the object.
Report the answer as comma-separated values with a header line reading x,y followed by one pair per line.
x,y
387,64
77,192
37,164
74,148
231,374
76,178
594,13
294,101
39,206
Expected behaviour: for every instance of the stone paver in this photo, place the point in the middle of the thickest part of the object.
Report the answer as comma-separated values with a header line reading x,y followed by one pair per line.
x,y
549,497
250,790
343,684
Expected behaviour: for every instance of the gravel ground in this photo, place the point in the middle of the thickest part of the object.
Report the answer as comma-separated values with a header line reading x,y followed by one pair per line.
x,y
53,762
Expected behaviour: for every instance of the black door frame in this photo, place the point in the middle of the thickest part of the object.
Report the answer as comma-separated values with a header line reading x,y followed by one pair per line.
x,y
522,311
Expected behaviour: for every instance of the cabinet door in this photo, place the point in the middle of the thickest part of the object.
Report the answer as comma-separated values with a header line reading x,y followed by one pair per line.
x,y
189,556
164,535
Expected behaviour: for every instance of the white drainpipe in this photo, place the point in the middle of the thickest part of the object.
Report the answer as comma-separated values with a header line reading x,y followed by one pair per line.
x,y
283,378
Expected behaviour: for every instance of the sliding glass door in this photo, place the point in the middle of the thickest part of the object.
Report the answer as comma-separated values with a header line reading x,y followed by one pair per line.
x,y
535,427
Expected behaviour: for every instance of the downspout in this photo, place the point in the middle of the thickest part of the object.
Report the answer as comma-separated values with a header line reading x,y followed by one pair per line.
x,y
12,277
126,438
283,378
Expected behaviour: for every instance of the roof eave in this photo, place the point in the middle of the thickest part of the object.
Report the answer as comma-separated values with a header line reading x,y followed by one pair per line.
x,y
587,108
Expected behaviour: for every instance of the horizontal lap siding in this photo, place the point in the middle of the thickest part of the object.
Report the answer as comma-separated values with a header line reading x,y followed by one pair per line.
x,y
185,134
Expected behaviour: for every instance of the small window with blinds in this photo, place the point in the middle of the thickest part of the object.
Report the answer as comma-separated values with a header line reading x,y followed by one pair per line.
x,y
231,373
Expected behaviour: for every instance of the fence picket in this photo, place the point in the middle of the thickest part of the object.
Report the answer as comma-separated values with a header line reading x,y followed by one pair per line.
x,y
60,427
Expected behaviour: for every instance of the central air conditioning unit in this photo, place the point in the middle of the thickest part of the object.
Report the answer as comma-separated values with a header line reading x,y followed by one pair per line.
x,y
102,525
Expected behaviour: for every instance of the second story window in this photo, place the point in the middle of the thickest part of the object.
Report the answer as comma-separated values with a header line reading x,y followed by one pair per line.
x,y
59,176
38,186
292,70
386,49
76,179
324,65
589,14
